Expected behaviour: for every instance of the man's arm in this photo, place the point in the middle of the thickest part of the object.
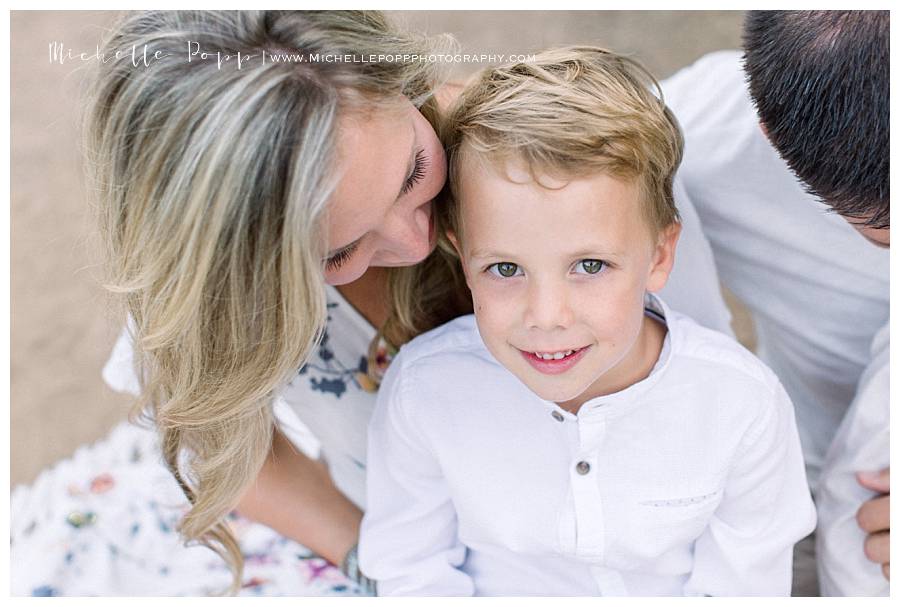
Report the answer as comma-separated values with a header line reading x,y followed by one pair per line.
x,y
854,516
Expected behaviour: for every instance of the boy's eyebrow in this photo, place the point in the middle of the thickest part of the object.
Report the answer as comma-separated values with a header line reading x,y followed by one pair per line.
x,y
582,254
488,253
594,252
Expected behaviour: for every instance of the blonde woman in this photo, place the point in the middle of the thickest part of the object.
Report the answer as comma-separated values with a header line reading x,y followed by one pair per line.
x,y
251,209
232,190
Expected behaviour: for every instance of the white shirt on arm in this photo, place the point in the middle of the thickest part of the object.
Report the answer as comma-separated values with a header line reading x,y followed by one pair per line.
x,y
862,443
688,482
817,291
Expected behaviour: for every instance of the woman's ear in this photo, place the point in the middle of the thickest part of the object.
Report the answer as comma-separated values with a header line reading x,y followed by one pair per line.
x,y
663,257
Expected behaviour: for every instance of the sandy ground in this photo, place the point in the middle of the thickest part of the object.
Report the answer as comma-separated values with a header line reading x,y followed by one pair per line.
x,y
62,324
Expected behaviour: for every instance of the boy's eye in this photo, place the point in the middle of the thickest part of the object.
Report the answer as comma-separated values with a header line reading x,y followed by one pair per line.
x,y
504,269
589,266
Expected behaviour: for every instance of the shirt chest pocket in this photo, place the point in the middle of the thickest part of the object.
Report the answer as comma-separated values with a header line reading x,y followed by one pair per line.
x,y
650,528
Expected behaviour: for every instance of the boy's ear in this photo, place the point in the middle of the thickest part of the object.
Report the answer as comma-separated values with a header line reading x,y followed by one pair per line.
x,y
663,257
451,236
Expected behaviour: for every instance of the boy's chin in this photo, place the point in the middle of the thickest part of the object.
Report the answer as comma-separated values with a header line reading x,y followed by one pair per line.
x,y
552,394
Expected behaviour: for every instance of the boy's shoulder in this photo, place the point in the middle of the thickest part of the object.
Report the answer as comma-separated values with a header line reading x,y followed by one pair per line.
x,y
445,371
455,341
720,356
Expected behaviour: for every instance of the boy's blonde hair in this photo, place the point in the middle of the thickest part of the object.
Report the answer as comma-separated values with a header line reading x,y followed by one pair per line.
x,y
571,112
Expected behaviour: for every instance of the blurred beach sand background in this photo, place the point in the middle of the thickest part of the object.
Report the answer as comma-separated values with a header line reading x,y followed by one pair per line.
x,y
62,324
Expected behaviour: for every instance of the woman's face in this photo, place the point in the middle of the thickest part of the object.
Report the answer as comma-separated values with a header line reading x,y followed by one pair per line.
x,y
392,166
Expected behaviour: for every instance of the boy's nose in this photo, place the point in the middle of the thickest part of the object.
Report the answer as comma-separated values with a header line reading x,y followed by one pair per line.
x,y
548,308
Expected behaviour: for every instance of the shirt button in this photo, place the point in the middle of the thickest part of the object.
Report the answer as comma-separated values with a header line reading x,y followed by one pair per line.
x,y
557,416
582,468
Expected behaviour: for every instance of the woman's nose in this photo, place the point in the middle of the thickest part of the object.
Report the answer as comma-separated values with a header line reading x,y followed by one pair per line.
x,y
408,234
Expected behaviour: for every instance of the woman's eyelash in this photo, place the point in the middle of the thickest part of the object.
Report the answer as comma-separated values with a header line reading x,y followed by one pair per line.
x,y
420,169
340,258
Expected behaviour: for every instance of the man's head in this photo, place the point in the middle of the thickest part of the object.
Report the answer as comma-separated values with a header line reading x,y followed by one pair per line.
x,y
820,83
563,216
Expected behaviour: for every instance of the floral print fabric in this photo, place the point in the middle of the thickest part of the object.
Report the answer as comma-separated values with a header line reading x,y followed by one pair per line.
x,y
102,523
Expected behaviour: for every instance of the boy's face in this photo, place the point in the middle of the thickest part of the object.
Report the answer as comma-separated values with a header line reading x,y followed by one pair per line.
x,y
558,277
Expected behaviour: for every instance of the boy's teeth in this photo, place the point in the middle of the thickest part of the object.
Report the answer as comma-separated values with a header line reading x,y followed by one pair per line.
x,y
553,355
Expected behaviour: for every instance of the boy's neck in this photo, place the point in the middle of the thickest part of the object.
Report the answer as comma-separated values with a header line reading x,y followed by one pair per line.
x,y
635,367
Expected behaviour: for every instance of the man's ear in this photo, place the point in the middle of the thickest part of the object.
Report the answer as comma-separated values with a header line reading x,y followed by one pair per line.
x,y
663,257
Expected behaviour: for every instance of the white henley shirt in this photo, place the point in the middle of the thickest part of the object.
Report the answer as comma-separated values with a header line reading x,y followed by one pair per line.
x,y
690,482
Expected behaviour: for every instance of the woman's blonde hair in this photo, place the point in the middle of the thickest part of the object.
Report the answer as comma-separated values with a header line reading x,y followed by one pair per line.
x,y
212,179
569,112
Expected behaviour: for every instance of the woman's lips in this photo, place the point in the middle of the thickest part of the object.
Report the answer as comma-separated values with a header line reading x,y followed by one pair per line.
x,y
554,366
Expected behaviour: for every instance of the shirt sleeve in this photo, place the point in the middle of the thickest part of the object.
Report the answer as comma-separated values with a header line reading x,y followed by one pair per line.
x,y
766,508
408,540
862,443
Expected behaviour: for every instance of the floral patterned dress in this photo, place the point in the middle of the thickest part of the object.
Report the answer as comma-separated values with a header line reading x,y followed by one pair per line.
x,y
102,523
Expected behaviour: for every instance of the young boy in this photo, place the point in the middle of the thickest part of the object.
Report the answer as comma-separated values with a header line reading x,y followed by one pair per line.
x,y
576,436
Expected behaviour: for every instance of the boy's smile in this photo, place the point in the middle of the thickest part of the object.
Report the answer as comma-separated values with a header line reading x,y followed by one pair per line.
x,y
558,272
555,362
